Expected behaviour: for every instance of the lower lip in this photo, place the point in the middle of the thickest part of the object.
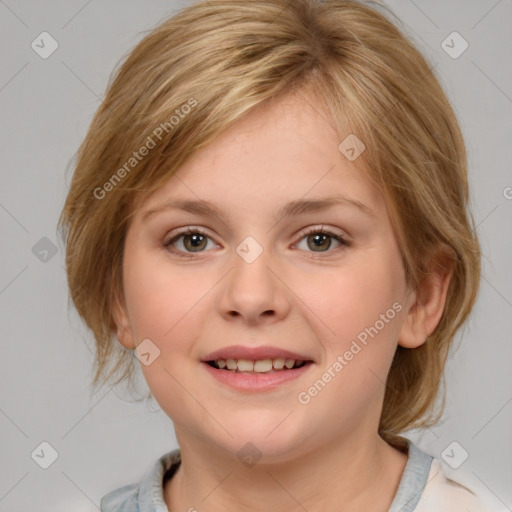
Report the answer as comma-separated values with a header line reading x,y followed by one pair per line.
x,y
252,382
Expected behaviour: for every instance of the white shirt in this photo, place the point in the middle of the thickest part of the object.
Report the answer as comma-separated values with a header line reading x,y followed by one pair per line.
x,y
429,485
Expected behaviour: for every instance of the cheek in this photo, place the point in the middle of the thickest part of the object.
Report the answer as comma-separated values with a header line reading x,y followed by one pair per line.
x,y
159,299
163,307
359,343
358,315
355,297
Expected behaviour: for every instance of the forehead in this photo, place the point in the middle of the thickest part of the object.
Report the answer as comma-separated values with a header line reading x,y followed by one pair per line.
x,y
284,150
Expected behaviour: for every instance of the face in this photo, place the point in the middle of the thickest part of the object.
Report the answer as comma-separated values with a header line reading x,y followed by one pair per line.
x,y
324,282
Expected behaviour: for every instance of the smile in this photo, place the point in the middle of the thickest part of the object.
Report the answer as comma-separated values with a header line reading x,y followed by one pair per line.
x,y
257,366
263,377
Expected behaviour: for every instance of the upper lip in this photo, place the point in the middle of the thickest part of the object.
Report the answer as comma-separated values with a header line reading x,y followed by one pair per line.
x,y
254,353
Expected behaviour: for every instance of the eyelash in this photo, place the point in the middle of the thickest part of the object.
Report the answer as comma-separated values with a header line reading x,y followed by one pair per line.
x,y
195,231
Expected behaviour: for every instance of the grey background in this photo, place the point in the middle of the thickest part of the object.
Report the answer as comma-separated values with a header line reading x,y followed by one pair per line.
x,y
105,441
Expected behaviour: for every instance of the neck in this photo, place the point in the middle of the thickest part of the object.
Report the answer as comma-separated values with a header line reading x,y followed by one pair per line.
x,y
360,473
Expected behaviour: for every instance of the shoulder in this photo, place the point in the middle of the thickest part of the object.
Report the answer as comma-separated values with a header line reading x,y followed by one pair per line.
x,y
447,490
146,495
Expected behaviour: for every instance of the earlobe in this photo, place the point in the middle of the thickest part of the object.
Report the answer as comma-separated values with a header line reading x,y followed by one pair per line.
x,y
125,338
427,304
124,334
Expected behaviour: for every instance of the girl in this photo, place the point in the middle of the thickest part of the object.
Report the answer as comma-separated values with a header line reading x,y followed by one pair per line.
x,y
270,213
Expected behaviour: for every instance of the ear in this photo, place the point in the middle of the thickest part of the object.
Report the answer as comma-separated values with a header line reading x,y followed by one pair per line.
x,y
120,315
426,305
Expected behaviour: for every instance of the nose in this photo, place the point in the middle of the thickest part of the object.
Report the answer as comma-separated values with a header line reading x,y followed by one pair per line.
x,y
254,292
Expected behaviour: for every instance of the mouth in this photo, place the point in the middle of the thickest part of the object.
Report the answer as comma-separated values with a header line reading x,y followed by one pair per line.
x,y
256,369
259,366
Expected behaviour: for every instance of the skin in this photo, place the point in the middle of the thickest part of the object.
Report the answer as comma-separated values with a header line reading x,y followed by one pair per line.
x,y
293,296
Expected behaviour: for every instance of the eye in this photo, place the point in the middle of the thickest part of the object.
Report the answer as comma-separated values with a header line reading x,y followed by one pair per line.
x,y
322,239
194,240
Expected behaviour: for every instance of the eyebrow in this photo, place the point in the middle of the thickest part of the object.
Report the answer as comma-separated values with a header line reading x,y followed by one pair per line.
x,y
300,206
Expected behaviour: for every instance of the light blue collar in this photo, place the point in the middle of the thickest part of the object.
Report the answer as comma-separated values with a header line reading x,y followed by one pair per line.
x,y
147,496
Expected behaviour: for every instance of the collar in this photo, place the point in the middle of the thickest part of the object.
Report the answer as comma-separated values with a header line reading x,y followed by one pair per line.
x,y
147,496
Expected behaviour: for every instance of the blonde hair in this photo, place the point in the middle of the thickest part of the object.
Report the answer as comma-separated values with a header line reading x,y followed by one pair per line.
x,y
222,58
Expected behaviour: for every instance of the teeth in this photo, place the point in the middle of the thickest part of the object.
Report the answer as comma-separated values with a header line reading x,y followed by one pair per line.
x,y
244,365
259,366
231,364
278,363
263,365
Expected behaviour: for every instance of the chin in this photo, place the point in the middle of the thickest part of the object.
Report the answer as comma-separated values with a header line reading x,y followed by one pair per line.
x,y
276,440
